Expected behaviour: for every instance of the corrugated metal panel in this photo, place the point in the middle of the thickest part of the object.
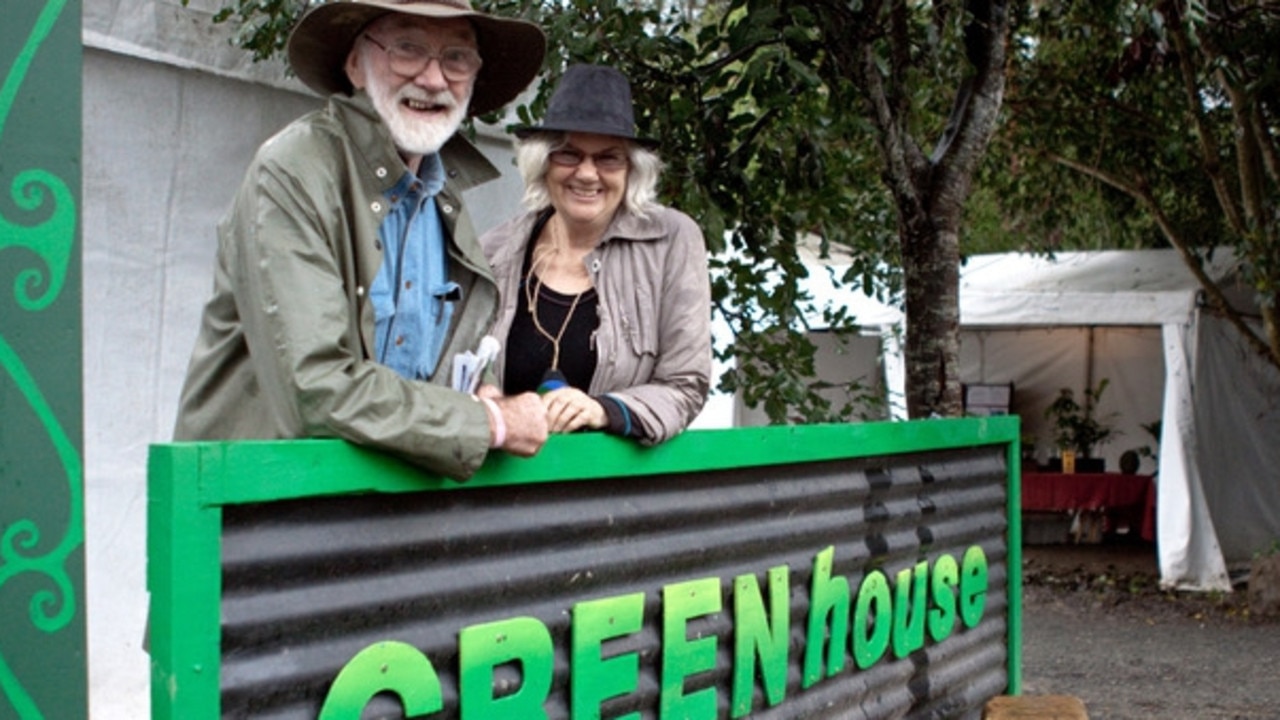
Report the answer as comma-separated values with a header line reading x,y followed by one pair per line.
x,y
308,584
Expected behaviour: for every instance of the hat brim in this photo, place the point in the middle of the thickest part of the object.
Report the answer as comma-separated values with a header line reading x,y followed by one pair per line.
x,y
525,131
512,50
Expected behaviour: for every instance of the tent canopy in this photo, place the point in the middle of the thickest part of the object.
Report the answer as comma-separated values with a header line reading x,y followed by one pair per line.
x,y
1111,287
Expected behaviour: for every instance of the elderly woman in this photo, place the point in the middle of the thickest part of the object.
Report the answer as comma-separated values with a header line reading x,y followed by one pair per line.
x,y
605,295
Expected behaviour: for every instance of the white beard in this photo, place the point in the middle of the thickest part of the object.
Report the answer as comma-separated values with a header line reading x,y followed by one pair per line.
x,y
412,134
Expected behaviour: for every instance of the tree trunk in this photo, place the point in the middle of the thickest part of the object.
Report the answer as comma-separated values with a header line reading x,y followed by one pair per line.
x,y
929,191
931,267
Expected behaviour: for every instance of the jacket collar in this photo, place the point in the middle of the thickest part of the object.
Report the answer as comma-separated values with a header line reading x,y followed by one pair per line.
x,y
628,226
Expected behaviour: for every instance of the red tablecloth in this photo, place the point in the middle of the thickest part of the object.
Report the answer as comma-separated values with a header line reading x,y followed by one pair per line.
x,y
1130,498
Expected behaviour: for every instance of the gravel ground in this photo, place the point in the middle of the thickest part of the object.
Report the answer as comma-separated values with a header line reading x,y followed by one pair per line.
x,y
1097,626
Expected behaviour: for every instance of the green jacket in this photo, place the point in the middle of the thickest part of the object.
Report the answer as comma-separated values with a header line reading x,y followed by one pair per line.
x,y
286,343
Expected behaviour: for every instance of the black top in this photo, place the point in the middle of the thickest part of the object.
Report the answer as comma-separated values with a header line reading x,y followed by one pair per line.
x,y
529,352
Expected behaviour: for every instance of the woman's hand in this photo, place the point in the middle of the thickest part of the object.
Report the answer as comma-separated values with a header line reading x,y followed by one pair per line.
x,y
570,409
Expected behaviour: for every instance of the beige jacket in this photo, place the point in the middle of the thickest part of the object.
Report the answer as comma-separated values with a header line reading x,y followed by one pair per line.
x,y
286,343
654,337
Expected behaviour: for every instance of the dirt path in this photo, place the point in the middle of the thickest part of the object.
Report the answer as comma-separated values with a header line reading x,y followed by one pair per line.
x,y
1096,626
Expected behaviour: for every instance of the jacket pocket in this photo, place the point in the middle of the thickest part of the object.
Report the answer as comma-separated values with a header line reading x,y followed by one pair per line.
x,y
438,317
639,321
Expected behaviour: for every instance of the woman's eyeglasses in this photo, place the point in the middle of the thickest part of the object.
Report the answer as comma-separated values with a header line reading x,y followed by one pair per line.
x,y
608,160
410,59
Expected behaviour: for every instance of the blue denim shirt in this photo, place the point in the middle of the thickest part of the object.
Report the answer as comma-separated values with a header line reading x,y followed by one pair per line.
x,y
412,296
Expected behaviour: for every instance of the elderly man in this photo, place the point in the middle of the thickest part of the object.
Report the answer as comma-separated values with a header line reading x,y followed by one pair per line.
x,y
348,273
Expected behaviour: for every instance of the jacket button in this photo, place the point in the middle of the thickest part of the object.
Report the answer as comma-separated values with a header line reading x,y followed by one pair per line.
x,y
380,172
448,209
375,206
595,265
359,291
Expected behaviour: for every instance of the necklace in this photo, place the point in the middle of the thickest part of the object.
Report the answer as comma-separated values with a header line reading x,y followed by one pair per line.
x,y
533,291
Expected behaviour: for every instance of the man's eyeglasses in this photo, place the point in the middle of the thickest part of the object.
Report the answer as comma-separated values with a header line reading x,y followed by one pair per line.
x,y
410,59
608,160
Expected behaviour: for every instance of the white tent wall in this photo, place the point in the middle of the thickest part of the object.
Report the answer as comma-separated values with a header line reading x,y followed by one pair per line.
x,y
1238,461
1188,551
1041,361
164,149
172,116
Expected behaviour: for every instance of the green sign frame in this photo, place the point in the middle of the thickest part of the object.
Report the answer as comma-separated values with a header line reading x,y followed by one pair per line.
x,y
191,483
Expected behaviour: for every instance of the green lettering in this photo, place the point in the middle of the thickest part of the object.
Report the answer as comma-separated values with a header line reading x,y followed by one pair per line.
x,y
482,648
973,585
594,679
908,634
682,657
754,636
874,608
945,578
828,598
384,667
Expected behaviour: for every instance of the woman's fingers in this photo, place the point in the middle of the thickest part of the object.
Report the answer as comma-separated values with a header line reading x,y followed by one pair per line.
x,y
570,409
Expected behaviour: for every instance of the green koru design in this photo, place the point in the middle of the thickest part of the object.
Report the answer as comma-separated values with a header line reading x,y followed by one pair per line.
x,y
51,241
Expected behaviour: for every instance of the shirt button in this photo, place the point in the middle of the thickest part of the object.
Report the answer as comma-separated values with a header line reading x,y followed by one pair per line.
x,y
399,340
377,244
408,284
595,265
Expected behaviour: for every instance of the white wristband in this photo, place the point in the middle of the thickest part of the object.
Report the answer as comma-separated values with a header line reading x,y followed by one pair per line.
x,y
499,425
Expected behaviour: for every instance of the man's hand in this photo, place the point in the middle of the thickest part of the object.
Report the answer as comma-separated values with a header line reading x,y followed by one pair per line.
x,y
570,409
526,423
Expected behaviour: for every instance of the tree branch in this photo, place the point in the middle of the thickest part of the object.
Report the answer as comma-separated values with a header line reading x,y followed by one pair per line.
x,y
977,105
1211,157
1217,299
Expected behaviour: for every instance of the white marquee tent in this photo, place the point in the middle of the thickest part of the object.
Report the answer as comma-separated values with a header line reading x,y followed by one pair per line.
x,y
1138,320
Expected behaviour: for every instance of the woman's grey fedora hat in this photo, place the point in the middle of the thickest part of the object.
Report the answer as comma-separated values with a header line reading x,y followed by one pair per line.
x,y
512,50
590,99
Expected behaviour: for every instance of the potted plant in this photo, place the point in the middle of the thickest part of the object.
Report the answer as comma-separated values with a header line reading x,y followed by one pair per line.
x,y
1076,428
1145,451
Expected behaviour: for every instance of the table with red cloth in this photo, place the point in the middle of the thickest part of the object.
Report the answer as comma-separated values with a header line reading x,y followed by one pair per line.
x,y
1122,500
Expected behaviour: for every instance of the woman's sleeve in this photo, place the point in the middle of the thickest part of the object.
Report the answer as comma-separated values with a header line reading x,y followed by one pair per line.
x,y
677,390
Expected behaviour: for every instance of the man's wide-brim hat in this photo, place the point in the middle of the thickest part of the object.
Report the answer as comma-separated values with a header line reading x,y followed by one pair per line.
x,y
590,99
512,50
